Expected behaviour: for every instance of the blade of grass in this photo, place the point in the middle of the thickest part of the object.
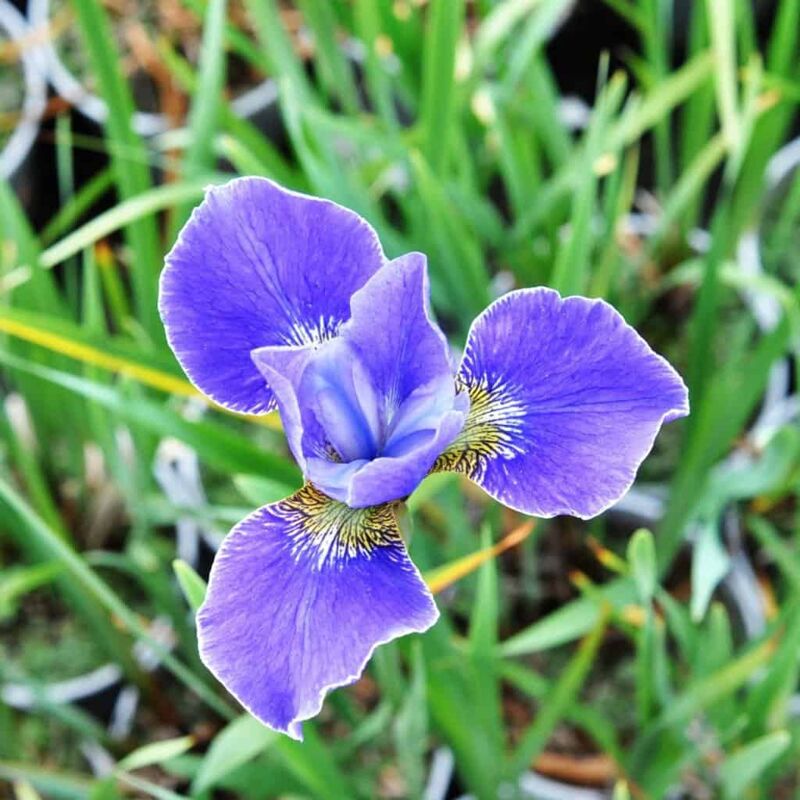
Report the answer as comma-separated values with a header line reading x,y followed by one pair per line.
x,y
781,553
620,192
45,549
709,690
447,575
51,412
55,783
642,115
204,114
554,708
88,354
380,88
570,621
66,188
155,752
52,547
128,212
410,728
221,447
483,683
657,25
527,42
236,40
240,741
454,717
131,174
571,267
769,702
636,119
119,363
723,44
312,762
698,115
335,71
277,46
745,766
584,716
687,189
40,291
459,262
543,89
192,585
444,26
737,387
27,462
244,143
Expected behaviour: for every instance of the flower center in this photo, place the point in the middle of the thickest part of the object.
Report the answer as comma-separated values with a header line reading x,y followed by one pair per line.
x,y
360,422
345,403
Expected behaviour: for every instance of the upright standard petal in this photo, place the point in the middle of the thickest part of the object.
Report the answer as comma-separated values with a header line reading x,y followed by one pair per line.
x,y
375,407
300,594
258,265
566,401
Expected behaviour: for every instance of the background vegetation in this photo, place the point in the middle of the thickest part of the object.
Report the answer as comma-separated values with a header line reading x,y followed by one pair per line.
x,y
634,150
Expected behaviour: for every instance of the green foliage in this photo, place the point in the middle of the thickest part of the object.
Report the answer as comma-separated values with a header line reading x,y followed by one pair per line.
x,y
446,131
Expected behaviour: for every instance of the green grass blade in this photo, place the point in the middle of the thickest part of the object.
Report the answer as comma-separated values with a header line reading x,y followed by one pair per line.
x,y
743,768
192,585
52,547
219,446
204,115
335,71
444,26
126,213
240,741
277,46
554,707
129,160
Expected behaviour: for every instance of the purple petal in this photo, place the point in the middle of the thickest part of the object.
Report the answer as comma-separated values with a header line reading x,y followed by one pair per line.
x,y
258,265
345,401
374,407
282,368
398,474
300,594
392,330
566,401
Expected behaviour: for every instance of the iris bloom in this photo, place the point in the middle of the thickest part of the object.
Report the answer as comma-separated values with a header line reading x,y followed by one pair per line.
x,y
273,299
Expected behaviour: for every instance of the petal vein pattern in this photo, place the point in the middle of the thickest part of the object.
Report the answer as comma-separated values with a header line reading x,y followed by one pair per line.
x,y
493,427
331,533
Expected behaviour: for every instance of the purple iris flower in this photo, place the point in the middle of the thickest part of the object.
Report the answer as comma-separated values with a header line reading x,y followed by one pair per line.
x,y
272,299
